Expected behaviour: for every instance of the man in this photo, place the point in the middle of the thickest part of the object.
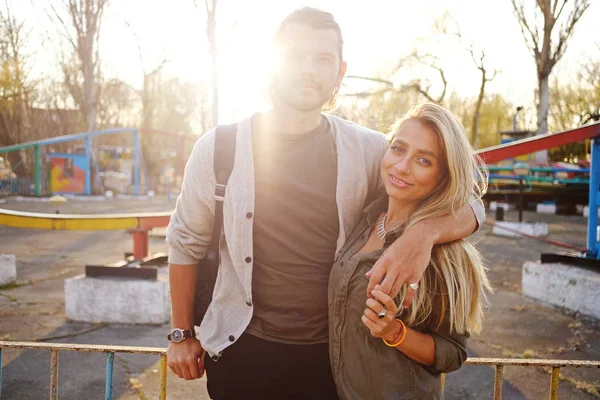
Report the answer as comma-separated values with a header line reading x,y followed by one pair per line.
x,y
298,187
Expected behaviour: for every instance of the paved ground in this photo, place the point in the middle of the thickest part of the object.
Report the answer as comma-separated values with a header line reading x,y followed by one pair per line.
x,y
514,327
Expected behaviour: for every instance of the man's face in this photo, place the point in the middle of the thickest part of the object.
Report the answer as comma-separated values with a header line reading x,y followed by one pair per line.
x,y
308,67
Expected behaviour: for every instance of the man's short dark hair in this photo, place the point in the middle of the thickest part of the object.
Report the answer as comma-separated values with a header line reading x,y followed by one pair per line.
x,y
314,18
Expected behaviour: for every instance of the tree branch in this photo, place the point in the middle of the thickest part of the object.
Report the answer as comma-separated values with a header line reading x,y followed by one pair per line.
x,y
557,16
520,10
378,80
493,76
62,22
389,86
567,30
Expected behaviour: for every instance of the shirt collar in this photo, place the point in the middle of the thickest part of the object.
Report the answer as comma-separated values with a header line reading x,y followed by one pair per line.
x,y
372,212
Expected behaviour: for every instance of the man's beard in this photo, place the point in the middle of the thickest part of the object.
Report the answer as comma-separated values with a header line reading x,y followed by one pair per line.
x,y
299,104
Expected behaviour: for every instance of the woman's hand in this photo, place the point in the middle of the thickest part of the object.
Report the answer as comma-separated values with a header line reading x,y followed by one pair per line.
x,y
387,326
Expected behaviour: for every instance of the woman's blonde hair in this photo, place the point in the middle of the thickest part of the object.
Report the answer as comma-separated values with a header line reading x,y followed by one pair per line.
x,y
455,283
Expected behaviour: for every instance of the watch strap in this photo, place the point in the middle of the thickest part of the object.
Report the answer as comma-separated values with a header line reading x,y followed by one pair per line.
x,y
187,333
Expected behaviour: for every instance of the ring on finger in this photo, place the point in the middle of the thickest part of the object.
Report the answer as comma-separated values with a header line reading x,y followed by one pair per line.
x,y
414,286
381,314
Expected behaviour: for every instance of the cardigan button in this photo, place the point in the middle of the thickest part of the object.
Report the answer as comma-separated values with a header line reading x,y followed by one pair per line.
x,y
249,303
249,215
232,338
248,259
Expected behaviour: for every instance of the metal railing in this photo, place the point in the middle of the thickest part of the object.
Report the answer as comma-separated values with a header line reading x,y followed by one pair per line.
x,y
556,365
15,186
110,351
55,348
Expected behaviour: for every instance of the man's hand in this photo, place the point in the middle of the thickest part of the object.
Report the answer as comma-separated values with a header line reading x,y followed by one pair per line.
x,y
407,258
403,262
186,359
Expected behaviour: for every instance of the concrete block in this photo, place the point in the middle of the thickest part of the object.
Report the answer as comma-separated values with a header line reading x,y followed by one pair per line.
x,y
494,205
586,211
528,228
8,268
561,285
132,301
545,208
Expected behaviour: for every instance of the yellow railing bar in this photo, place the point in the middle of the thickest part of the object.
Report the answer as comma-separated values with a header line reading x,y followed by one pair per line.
x,y
163,377
533,362
93,348
498,377
54,375
554,379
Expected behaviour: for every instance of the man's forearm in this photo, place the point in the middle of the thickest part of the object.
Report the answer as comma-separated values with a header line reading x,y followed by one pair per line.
x,y
182,281
447,228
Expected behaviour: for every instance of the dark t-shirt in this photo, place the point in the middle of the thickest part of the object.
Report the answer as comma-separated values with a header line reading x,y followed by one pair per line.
x,y
296,227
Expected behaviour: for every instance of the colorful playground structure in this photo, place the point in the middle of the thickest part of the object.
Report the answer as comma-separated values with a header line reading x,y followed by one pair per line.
x,y
71,172
542,178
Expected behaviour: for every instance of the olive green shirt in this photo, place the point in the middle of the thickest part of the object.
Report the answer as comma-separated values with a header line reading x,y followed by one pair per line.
x,y
363,366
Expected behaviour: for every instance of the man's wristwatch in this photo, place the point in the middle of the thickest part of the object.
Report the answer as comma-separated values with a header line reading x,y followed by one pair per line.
x,y
179,335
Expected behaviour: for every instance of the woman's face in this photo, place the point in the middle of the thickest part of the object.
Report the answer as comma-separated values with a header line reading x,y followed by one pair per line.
x,y
412,165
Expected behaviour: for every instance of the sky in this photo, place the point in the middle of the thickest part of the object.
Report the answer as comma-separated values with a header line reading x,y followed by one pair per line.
x,y
377,33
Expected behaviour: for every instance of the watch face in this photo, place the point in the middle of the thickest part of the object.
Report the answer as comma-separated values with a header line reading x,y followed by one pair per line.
x,y
177,335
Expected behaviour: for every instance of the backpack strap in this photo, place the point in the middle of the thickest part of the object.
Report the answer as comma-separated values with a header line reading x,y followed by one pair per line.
x,y
224,157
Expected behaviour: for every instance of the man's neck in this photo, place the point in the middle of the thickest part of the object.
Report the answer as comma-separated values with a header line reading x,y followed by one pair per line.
x,y
287,121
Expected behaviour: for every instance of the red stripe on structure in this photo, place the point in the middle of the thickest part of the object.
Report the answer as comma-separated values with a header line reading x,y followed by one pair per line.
x,y
494,154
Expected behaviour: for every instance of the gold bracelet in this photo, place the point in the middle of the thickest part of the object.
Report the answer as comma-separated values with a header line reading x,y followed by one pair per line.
x,y
401,339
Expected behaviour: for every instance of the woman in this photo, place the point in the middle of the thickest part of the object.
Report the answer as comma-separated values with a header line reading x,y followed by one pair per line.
x,y
376,350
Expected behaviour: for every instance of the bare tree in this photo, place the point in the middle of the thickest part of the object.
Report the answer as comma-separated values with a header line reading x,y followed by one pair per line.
x,y
421,58
152,81
423,86
478,58
538,33
211,34
15,87
148,94
211,27
11,83
118,107
485,78
577,102
446,25
591,75
82,33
